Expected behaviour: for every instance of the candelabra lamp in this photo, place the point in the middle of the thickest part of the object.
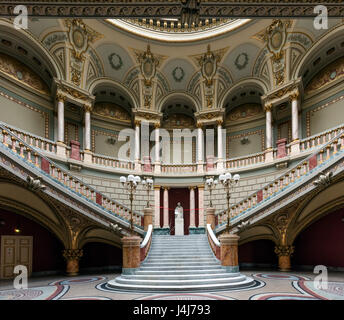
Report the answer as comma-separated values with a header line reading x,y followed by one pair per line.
x,y
211,184
148,185
130,183
229,182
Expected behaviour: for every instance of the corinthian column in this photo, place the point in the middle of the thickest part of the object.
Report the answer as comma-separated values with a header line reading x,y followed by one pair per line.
x,y
268,132
295,144
192,207
157,148
60,117
166,224
87,147
200,148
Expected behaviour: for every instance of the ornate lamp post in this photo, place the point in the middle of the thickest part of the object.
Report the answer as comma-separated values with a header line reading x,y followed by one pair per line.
x,y
211,184
148,185
130,183
228,182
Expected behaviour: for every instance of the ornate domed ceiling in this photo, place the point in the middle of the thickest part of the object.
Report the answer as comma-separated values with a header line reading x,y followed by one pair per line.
x,y
172,30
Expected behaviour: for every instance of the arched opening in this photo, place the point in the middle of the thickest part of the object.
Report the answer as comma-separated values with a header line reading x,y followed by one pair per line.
x,y
43,254
257,254
244,121
100,257
178,130
321,243
112,112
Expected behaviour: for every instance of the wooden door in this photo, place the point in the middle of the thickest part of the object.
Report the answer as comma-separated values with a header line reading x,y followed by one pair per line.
x,y
15,250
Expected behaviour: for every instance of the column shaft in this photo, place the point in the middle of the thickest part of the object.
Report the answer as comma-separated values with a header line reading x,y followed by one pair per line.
x,y
87,129
201,206
268,129
157,207
60,120
200,144
166,224
294,119
137,142
157,145
192,207
219,142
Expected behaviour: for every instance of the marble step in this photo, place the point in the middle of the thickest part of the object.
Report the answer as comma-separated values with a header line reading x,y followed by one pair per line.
x,y
172,267
246,283
180,272
179,260
164,276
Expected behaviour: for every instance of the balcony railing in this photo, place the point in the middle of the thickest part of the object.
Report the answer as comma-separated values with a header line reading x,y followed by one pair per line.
x,y
323,153
32,156
50,149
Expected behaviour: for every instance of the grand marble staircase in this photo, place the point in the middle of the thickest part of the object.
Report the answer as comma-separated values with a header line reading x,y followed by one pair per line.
x,y
180,263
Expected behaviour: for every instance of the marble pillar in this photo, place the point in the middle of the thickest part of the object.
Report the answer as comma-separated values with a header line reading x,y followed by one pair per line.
x,y
284,253
60,117
147,218
157,206
157,168
199,148
268,133
166,222
219,146
295,144
88,128
192,207
201,206
137,145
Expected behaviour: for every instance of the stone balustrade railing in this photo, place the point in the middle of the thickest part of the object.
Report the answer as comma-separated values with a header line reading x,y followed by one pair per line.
x,y
251,159
79,188
112,162
323,153
43,144
50,148
179,168
318,139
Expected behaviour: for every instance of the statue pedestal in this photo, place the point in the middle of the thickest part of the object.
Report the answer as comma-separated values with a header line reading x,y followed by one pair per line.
x,y
179,227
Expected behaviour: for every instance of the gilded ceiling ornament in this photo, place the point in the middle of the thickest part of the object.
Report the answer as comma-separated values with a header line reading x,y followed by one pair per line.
x,y
148,65
80,36
111,110
208,63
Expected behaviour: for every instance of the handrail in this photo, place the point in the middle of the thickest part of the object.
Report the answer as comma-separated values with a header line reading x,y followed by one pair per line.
x,y
214,242
146,243
62,174
283,180
147,237
212,235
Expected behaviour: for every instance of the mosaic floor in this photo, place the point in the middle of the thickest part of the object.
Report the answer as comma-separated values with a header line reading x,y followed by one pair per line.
x,y
270,286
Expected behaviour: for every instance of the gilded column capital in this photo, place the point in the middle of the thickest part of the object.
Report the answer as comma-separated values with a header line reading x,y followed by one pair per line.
x,y
268,107
87,107
293,95
285,250
157,125
137,122
219,122
72,254
60,97
199,125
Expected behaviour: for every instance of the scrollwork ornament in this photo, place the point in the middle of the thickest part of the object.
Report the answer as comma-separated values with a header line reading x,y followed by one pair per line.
x,y
115,65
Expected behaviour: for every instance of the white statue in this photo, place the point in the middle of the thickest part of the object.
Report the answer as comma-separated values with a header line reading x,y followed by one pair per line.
x,y
178,211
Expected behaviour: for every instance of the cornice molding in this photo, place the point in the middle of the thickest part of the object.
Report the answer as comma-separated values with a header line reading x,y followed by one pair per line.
x,y
169,9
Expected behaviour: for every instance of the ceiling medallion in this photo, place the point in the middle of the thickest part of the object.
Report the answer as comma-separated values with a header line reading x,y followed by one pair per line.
x,y
178,74
241,61
115,61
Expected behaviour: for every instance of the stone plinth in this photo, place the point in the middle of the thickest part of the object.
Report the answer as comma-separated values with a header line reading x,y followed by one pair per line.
x,y
229,252
131,254
87,156
179,227
281,148
147,164
147,218
61,149
75,150
210,162
210,213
